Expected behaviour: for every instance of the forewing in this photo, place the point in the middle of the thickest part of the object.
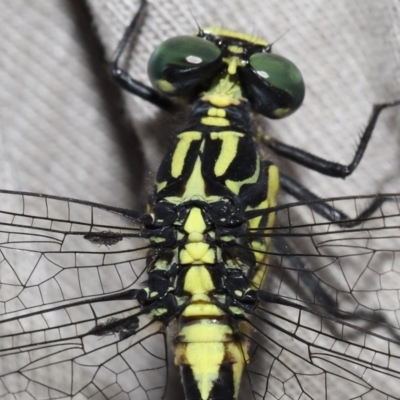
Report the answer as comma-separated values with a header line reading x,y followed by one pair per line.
x,y
338,335
46,259
52,284
301,355
353,270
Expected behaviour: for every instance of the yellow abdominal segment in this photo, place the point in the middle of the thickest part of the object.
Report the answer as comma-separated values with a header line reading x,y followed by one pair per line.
x,y
205,347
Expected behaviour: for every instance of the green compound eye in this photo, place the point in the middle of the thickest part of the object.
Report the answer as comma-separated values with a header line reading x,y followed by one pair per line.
x,y
274,85
183,63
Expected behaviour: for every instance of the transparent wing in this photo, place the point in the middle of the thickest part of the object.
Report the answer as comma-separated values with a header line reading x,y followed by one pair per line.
x,y
331,327
302,355
332,334
54,284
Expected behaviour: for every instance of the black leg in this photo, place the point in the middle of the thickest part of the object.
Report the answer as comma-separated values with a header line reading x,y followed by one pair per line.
x,y
320,297
310,281
298,191
324,166
126,81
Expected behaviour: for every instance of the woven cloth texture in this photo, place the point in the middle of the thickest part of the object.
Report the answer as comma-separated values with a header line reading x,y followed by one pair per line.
x,y
66,129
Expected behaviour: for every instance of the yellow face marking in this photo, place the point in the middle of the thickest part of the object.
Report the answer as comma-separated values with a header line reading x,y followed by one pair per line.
x,y
233,64
230,141
235,35
182,147
215,121
221,101
224,91
198,281
235,49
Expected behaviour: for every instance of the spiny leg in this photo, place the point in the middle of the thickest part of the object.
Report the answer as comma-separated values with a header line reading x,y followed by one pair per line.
x,y
124,79
330,213
324,166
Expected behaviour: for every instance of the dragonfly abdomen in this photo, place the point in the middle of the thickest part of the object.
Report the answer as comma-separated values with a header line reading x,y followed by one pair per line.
x,y
210,355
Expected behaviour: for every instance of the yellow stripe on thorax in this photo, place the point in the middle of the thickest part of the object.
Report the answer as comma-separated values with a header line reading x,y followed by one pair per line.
x,y
181,149
235,186
195,185
260,247
229,148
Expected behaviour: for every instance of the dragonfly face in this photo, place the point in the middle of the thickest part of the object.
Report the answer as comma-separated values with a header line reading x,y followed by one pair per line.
x,y
107,370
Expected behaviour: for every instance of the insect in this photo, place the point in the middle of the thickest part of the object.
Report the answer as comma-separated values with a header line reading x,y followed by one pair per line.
x,y
206,261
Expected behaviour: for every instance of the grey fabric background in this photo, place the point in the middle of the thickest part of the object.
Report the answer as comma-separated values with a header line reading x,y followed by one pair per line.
x,y
66,129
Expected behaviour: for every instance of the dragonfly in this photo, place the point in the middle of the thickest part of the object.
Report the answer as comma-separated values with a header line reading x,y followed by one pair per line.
x,y
93,249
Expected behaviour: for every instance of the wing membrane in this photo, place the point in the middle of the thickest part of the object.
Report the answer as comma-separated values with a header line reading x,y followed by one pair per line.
x,y
300,354
134,367
45,256
347,344
52,283
357,267
337,335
